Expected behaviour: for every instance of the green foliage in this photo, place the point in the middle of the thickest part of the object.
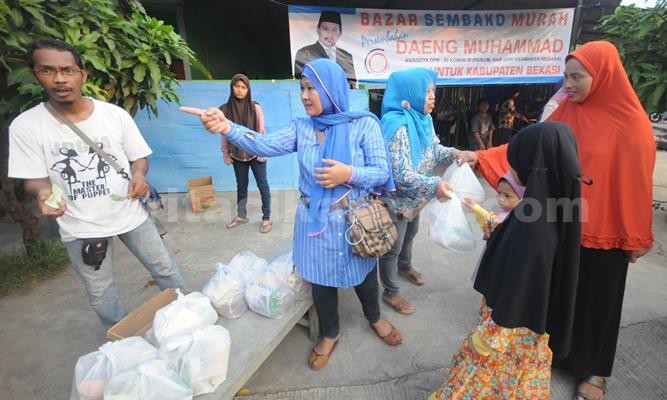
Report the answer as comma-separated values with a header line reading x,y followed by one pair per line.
x,y
22,268
127,53
640,36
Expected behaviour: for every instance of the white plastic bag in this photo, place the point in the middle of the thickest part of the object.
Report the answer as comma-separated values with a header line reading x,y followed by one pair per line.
x,y
226,292
464,182
448,226
247,265
185,314
152,380
200,358
94,370
283,267
269,296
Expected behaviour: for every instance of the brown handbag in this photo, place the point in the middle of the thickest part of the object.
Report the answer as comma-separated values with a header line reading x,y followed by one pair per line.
x,y
372,232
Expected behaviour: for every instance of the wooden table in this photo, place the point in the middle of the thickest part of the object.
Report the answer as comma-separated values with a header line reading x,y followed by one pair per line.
x,y
254,338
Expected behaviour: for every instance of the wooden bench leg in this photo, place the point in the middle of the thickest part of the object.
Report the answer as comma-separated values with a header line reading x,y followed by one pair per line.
x,y
313,323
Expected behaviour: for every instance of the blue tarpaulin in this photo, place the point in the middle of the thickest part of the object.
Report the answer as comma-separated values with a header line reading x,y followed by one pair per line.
x,y
183,149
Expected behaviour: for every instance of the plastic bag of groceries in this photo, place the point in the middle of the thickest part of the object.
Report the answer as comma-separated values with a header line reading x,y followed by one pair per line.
x,y
283,267
94,370
464,182
269,296
226,292
152,380
200,358
247,265
448,226
185,314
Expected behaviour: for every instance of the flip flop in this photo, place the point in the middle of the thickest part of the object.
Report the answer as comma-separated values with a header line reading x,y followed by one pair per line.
x,y
236,222
265,226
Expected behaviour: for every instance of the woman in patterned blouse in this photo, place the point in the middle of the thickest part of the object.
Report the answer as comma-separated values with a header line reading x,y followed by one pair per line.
x,y
415,151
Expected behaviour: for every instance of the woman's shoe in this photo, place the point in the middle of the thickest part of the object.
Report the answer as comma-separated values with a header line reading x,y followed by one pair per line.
x,y
393,338
317,361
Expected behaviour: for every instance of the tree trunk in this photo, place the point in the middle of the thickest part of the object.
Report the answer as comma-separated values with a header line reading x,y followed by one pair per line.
x,y
8,198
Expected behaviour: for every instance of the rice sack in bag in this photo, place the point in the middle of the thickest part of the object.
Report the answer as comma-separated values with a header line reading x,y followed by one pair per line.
x,y
185,314
94,370
200,358
226,291
152,380
269,296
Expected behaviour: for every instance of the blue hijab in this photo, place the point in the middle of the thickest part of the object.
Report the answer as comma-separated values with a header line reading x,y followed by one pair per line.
x,y
403,104
335,121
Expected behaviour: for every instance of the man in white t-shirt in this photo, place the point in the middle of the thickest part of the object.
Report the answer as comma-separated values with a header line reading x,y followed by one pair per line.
x,y
97,202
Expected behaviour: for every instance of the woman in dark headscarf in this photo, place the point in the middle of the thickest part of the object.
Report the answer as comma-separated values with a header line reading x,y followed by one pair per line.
x,y
341,154
241,110
528,276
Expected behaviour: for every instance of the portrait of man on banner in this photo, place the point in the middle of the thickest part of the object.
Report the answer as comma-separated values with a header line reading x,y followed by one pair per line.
x,y
329,30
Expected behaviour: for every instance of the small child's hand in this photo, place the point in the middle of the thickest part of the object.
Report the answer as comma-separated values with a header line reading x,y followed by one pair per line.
x,y
468,202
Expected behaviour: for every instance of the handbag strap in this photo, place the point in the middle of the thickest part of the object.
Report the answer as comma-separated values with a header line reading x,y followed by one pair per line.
x,y
120,170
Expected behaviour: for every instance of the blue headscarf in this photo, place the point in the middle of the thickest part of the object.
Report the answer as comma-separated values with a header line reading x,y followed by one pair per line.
x,y
331,85
403,104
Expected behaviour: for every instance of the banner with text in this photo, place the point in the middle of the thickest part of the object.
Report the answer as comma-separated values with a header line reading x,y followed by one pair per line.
x,y
463,47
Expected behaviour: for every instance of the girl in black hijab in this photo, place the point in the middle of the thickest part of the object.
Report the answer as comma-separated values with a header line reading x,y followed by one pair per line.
x,y
528,276
242,110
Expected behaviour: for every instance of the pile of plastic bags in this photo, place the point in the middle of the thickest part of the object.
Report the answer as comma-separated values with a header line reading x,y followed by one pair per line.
x,y
448,226
192,359
248,281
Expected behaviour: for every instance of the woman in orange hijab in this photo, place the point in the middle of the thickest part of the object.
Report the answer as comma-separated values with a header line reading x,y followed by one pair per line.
x,y
617,150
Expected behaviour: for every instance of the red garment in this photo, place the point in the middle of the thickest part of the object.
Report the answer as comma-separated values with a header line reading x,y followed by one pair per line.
x,y
616,149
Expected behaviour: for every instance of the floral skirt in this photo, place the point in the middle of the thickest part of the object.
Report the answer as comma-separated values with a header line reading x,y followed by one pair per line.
x,y
517,364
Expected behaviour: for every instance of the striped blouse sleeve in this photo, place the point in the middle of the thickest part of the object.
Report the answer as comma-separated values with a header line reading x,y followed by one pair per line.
x,y
375,171
276,143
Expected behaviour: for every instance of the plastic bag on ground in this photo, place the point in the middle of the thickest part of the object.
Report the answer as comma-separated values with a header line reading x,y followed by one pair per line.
x,y
200,358
283,267
226,292
464,182
270,296
185,314
248,265
94,370
448,226
152,380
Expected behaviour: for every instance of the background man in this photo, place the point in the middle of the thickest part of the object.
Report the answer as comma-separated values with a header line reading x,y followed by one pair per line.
x,y
329,29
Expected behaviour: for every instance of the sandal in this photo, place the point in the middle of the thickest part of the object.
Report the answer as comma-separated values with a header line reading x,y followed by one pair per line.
x,y
317,361
236,222
598,382
399,303
393,338
265,226
413,276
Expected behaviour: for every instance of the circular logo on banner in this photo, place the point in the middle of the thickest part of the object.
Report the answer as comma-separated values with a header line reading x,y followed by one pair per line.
x,y
376,62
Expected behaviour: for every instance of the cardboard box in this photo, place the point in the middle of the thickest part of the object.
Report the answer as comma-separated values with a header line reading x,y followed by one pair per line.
x,y
140,320
202,194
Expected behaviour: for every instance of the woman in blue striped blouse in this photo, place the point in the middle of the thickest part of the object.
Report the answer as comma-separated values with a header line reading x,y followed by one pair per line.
x,y
341,154
415,151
